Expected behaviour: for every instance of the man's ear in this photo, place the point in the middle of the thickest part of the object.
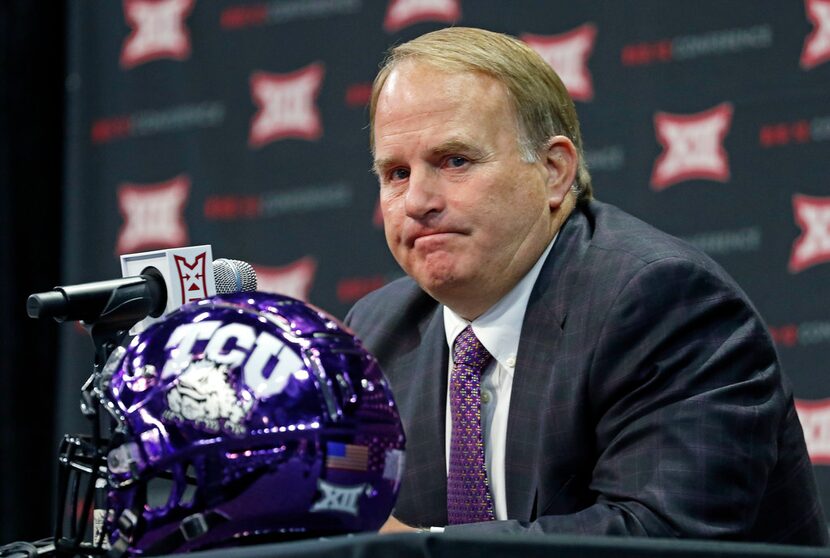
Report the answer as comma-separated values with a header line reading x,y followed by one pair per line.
x,y
561,162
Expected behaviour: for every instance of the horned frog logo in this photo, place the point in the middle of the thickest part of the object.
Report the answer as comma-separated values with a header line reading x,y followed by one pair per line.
x,y
203,396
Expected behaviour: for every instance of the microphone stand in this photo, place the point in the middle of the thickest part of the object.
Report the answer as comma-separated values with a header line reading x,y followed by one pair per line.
x,y
127,306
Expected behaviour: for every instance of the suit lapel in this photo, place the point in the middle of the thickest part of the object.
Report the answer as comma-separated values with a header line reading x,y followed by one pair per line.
x,y
542,330
426,397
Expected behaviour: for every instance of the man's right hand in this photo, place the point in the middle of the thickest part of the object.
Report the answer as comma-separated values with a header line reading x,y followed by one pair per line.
x,y
392,525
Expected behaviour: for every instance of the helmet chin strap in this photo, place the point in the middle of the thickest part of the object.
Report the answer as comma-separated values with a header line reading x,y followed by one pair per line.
x,y
190,528
127,523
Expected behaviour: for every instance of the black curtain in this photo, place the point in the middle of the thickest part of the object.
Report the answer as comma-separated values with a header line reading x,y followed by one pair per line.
x,y
32,74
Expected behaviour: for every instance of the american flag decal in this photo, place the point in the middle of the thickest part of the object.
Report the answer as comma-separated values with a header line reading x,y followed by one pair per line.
x,y
347,456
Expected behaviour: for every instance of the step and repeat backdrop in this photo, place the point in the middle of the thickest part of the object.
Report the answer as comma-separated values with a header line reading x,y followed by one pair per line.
x,y
243,125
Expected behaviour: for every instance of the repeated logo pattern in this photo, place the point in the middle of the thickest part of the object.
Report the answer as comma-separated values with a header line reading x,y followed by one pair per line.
x,y
403,13
287,106
813,246
693,146
294,279
153,215
568,54
815,421
817,44
158,31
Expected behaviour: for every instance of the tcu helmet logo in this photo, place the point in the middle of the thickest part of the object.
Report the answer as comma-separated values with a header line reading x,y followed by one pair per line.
x,y
231,345
815,420
286,105
568,53
339,498
813,246
693,146
192,277
294,279
403,13
158,31
204,396
817,44
152,214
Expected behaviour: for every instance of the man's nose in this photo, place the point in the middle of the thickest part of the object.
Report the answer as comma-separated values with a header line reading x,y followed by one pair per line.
x,y
424,194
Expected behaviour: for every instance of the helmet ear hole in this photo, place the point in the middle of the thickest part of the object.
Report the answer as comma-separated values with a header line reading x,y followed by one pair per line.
x,y
160,492
172,488
190,487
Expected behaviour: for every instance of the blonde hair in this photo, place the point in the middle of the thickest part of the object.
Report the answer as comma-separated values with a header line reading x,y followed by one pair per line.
x,y
539,99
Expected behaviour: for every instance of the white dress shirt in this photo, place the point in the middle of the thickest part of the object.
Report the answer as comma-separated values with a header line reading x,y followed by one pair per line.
x,y
499,330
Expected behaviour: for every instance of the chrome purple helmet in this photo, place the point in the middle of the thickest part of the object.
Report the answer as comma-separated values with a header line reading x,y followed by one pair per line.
x,y
241,418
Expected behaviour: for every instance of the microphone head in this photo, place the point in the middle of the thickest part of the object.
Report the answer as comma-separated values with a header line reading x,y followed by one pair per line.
x,y
233,276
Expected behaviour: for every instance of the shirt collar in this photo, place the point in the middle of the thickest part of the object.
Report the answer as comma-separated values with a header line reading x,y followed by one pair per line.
x,y
500,327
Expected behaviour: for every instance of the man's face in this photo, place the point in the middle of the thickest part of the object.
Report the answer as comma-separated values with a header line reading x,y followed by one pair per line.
x,y
463,214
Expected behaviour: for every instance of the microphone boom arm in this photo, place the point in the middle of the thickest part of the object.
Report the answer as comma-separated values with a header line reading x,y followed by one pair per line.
x,y
114,300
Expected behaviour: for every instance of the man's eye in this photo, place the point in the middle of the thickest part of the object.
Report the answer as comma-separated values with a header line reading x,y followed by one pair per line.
x,y
398,174
457,161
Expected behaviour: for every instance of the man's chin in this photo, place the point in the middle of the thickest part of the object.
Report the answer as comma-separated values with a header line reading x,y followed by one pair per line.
x,y
446,288
436,281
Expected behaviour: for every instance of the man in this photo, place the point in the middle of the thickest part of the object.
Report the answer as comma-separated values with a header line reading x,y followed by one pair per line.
x,y
620,382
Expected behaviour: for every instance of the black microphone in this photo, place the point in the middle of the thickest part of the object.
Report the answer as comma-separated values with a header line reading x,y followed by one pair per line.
x,y
139,296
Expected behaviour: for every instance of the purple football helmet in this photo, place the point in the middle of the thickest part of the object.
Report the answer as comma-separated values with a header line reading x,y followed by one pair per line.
x,y
240,418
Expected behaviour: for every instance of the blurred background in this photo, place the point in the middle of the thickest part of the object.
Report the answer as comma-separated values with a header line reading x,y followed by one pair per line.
x,y
135,125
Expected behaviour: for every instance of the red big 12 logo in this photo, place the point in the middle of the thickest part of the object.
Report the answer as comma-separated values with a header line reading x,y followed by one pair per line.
x,y
158,31
812,214
153,214
403,13
693,146
287,105
817,44
815,421
568,53
294,279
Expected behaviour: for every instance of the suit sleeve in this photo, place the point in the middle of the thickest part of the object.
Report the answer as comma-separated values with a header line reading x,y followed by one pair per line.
x,y
686,399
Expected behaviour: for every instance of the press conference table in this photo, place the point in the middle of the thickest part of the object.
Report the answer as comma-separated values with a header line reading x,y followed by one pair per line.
x,y
444,545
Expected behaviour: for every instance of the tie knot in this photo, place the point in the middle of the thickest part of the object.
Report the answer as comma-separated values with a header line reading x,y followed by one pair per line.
x,y
469,351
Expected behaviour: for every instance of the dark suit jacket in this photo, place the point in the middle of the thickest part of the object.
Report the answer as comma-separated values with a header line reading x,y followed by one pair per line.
x,y
647,397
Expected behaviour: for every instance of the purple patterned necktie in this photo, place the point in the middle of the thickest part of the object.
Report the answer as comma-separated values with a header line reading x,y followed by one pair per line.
x,y
468,492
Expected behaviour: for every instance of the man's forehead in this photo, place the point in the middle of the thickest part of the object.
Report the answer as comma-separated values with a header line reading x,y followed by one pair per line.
x,y
408,80
423,110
